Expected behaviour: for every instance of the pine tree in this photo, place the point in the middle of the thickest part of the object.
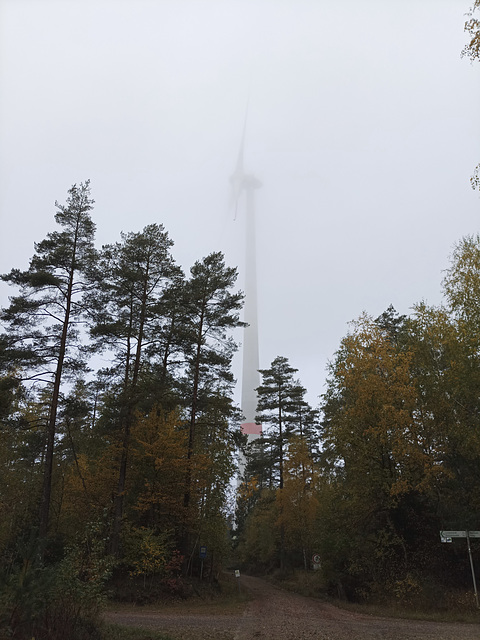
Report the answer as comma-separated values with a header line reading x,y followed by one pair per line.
x,y
279,396
126,309
211,312
43,320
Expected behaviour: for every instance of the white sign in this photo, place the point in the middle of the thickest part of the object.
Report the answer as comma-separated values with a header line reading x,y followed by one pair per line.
x,y
459,534
237,573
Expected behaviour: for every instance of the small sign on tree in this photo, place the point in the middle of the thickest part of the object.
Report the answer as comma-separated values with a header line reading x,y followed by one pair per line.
x,y
316,561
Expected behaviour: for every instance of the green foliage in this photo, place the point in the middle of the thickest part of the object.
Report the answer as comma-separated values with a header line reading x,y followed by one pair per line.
x,y
145,551
55,601
283,412
50,291
118,632
298,502
258,549
43,339
211,313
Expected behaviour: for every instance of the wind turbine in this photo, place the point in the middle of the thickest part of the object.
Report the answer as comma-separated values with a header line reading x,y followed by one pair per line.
x,y
242,182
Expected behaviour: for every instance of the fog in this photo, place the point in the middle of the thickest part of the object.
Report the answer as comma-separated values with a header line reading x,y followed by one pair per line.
x,y
362,126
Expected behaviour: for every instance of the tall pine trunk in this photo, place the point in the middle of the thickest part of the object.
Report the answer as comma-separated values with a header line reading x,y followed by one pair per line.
x,y
130,390
52,419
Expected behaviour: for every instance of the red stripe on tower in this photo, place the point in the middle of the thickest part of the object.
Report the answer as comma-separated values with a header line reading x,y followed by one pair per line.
x,y
251,429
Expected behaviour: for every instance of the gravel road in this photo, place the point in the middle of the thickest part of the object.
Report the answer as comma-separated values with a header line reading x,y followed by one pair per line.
x,y
274,614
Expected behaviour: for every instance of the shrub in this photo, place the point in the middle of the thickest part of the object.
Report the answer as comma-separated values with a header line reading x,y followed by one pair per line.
x,y
57,601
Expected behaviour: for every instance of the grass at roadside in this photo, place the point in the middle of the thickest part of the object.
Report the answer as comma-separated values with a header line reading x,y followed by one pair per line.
x,y
227,599
309,583
305,583
385,611
119,632
193,606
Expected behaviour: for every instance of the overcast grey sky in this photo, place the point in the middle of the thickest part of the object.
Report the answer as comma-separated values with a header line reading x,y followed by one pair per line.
x,y
363,126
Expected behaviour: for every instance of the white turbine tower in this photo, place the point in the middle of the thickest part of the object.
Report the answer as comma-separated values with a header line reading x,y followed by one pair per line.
x,y
247,183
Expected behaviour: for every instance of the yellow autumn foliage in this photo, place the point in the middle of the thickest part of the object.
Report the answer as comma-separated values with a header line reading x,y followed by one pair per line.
x,y
378,436
158,466
298,500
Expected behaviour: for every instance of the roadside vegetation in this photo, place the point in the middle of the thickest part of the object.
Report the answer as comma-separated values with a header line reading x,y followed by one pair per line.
x,y
119,632
457,607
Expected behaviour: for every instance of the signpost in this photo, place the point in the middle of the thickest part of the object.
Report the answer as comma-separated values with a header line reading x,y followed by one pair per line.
x,y
202,554
446,536
237,575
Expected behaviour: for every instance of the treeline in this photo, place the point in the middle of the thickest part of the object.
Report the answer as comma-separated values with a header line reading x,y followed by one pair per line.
x,y
396,459
118,436
117,427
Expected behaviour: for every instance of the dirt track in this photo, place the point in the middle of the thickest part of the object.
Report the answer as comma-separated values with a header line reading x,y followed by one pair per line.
x,y
274,614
